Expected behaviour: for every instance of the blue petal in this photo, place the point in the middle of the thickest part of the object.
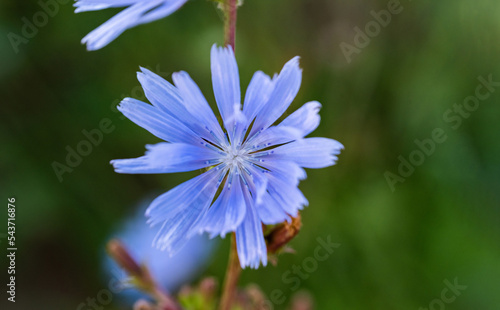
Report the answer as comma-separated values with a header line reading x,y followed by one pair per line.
x,y
268,210
115,26
258,93
288,171
180,209
155,121
190,193
226,84
310,152
228,211
250,241
168,7
282,186
286,87
197,105
274,135
286,193
271,212
168,158
139,12
167,98
162,94
258,185
94,5
306,119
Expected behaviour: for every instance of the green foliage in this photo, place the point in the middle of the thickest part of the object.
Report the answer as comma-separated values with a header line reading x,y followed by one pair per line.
x,y
397,247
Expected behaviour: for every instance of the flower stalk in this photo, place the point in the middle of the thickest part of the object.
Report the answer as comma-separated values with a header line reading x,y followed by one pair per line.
x,y
233,268
232,275
230,16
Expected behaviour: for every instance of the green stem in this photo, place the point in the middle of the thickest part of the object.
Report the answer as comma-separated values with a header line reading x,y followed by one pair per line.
x,y
230,8
232,275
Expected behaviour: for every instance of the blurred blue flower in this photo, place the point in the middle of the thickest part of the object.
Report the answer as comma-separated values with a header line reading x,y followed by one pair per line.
x,y
253,166
170,272
137,12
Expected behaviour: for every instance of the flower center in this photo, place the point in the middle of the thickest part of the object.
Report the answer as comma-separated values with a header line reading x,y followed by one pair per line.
x,y
235,156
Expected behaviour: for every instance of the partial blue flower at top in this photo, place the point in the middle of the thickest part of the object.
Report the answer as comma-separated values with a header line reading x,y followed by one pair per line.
x,y
253,167
137,12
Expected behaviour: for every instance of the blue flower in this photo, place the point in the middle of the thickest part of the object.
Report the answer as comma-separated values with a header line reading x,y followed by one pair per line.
x,y
253,167
137,12
170,272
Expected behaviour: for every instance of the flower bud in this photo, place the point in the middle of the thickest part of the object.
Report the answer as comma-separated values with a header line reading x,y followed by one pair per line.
x,y
119,253
142,304
140,274
282,234
302,301
208,287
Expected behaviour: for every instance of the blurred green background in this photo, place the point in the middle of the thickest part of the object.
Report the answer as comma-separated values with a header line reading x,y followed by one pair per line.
x,y
397,247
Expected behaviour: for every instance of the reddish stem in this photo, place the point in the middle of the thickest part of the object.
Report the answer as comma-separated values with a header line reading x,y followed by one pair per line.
x,y
231,7
232,275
